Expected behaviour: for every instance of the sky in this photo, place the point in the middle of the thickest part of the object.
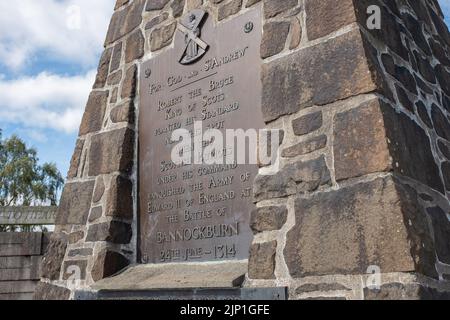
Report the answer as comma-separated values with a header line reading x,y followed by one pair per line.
x,y
48,59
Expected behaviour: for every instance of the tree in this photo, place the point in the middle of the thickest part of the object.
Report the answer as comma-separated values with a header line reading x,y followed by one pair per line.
x,y
23,182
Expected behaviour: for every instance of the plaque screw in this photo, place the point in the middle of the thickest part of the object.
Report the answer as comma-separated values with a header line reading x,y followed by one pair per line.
x,y
248,27
148,73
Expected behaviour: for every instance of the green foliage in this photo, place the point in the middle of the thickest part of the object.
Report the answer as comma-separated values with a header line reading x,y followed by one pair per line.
x,y
23,182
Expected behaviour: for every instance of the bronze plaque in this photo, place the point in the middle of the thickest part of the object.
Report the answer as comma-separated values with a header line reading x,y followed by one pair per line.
x,y
212,74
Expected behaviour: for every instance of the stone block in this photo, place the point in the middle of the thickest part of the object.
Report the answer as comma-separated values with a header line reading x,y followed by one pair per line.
x,y
331,18
274,7
261,264
76,159
360,145
274,38
107,264
305,147
94,113
114,232
294,178
48,292
111,152
75,203
307,124
124,21
123,113
134,46
268,218
347,230
340,70
52,262
120,198
162,37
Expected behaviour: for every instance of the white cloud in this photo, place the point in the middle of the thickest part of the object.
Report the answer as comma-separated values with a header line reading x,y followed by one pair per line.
x,y
50,27
45,101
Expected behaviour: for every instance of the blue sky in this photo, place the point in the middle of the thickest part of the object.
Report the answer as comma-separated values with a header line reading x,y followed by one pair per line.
x,y
48,58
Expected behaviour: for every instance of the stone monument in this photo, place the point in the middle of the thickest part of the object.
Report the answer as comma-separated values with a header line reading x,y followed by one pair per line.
x,y
359,206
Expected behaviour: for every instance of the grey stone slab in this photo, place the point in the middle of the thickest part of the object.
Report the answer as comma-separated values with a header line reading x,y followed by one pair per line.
x,y
173,276
266,294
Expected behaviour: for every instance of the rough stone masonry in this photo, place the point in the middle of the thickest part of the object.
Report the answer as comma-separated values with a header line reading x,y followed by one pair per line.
x,y
365,160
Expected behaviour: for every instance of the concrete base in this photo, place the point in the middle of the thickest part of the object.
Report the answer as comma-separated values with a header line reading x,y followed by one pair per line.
x,y
264,294
230,274
202,281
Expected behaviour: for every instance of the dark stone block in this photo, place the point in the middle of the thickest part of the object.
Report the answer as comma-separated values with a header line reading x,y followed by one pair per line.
x,y
360,145
124,21
76,159
96,213
291,84
103,68
134,46
114,232
330,20
129,83
410,291
53,258
107,264
441,230
111,152
307,124
156,20
75,237
294,178
274,38
307,288
99,190
114,78
116,57
84,252
441,123
306,147
261,264
156,5
94,113
444,148
177,8
404,98
347,230
423,114
46,291
409,141
123,113
162,37
120,198
268,218
75,203
275,7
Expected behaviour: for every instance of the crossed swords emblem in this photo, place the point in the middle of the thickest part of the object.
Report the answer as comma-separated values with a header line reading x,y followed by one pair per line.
x,y
195,47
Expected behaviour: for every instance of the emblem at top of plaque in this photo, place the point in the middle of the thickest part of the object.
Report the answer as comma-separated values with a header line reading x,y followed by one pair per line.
x,y
190,26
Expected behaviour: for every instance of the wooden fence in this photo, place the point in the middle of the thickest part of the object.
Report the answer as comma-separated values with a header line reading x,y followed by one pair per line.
x,y
21,253
20,260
